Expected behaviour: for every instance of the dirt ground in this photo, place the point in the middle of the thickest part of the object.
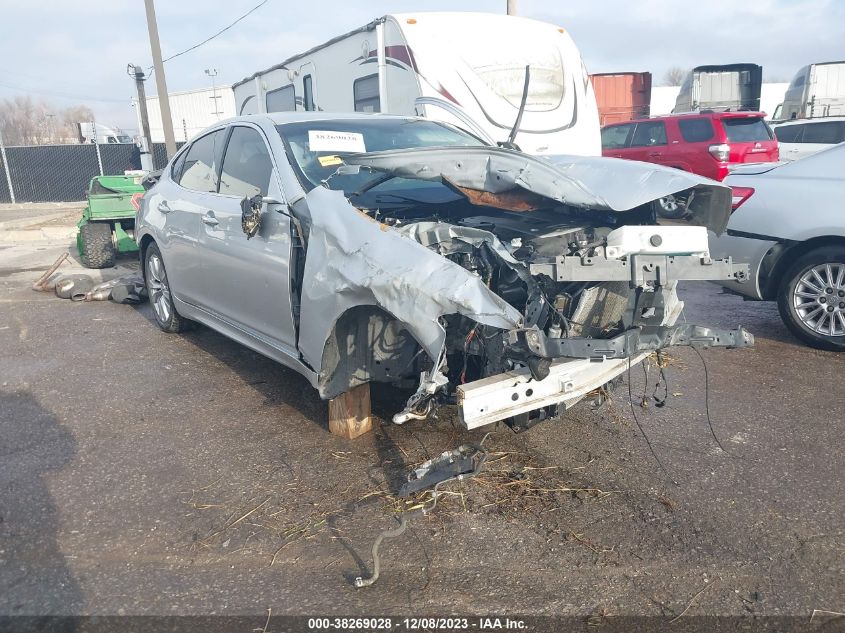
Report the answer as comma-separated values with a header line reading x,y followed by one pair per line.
x,y
147,473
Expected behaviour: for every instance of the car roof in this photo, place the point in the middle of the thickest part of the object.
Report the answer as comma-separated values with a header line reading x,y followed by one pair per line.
x,y
813,120
702,114
279,118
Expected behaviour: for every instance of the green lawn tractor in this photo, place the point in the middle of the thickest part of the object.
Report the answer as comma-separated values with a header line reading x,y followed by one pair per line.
x,y
108,221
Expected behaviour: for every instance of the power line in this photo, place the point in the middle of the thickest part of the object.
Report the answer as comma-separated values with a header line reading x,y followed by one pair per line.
x,y
220,32
60,95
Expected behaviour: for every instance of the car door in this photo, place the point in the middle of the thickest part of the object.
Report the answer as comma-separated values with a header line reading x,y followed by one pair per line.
x,y
189,194
615,139
247,281
649,143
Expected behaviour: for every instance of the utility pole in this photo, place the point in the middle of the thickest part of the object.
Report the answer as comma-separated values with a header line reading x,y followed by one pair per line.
x,y
161,82
212,72
146,139
511,7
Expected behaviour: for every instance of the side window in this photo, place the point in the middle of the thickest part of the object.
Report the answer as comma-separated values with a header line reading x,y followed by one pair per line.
x,y
365,94
247,166
308,93
616,136
827,132
649,134
696,130
281,100
178,165
249,106
789,133
201,160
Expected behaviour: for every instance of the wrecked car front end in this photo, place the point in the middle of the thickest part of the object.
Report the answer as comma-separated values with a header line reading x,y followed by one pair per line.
x,y
513,288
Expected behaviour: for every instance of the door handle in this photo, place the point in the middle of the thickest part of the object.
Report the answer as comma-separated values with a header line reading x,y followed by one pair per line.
x,y
209,219
163,207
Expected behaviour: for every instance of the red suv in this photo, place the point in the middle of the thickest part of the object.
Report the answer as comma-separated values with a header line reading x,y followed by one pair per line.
x,y
704,143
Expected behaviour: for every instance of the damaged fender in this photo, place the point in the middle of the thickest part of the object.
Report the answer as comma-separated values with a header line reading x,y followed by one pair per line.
x,y
355,261
597,183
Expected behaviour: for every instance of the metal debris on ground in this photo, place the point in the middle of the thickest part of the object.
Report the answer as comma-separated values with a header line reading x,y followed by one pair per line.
x,y
459,464
42,284
129,289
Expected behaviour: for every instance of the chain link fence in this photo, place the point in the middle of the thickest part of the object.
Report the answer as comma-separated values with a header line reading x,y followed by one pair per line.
x,y
61,173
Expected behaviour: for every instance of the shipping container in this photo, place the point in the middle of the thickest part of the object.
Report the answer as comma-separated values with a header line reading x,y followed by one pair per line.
x,y
725,87
622,96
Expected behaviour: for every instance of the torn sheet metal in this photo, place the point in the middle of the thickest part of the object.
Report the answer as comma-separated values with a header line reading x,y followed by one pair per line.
x,y
591,182
354,260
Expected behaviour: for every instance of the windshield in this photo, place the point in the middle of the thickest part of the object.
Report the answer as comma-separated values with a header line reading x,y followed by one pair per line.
x,y
317,147
746,130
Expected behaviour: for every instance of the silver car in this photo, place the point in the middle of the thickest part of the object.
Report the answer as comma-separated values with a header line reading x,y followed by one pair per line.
x,y
359,248
788,224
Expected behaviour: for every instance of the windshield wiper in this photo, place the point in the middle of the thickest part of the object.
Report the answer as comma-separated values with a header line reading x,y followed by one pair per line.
x,y
370,184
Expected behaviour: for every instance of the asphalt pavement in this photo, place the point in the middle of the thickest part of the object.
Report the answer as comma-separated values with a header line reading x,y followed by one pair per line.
x,y
151,473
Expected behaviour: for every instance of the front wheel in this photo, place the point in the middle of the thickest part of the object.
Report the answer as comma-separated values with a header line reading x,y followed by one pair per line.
x,y
811,298
158,289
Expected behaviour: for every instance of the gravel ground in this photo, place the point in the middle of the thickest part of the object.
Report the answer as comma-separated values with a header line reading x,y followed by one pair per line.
x,y
146,473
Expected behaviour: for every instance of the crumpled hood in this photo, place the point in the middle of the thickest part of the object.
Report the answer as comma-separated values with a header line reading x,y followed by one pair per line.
x,y
593,182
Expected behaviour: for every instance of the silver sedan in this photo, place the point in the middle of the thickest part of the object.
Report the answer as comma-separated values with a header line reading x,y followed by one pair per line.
x,y
360,248
788,224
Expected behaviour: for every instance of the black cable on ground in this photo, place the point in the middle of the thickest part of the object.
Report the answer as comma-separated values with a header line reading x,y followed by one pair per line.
x,y
640,427
707,400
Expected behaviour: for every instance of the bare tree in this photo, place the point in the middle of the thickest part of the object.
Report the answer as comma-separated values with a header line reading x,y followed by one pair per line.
x,y
674,76
27,122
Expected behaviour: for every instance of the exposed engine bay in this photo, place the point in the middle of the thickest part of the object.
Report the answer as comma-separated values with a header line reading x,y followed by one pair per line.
x,y
539,291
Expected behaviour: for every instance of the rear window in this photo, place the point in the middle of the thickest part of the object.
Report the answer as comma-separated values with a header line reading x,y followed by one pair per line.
x,y
696,130
828,132
616,136
746,130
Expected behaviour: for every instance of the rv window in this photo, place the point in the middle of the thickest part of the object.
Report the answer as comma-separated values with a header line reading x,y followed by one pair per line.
x,y
365,93
281,100
696,130
616,136
249,106
201,160
789,133
308,93
247,166
827,132
648,134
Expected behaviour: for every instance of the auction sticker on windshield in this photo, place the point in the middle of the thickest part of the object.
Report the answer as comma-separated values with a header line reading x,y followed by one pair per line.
x,y
328,141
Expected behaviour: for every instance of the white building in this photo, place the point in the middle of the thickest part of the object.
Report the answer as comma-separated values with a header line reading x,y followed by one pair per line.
x,y
192,111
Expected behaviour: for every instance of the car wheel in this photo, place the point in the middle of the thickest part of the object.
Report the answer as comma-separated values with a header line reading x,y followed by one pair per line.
x,y
811,298
159,291
96,247
670,207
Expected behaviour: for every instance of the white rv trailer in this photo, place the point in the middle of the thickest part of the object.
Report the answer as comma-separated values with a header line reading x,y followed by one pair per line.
x,y
817,90
467,69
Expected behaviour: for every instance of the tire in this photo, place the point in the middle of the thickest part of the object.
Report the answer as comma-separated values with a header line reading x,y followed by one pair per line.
x,y
158,289
670,207
811,298
96,245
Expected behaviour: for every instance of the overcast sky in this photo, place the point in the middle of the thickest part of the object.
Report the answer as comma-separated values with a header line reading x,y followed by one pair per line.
x,y
76,52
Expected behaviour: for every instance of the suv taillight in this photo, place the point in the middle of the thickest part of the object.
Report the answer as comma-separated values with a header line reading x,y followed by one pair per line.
x,y
720,152
740,195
